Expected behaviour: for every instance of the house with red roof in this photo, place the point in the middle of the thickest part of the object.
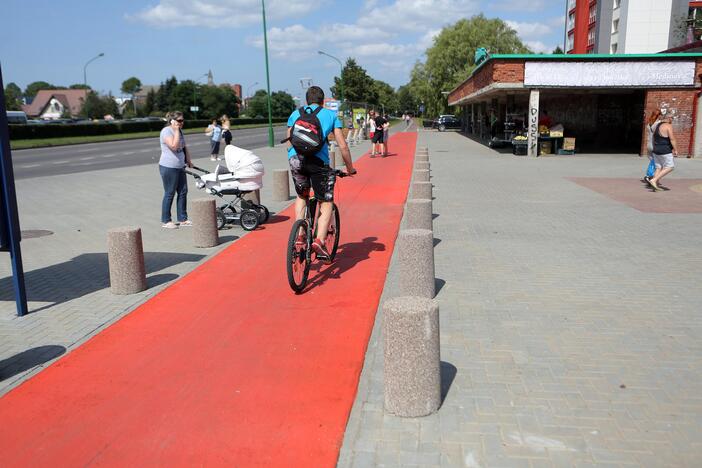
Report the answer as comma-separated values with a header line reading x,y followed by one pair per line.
x,y
50,104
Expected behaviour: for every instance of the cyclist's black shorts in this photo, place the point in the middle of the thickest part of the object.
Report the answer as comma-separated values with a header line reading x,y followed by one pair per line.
x,y
311,172
377,136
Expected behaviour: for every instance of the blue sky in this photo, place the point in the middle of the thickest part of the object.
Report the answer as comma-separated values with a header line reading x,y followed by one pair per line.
x,y
51,40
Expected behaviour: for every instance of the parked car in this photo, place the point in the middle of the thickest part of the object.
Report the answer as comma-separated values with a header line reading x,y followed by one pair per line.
x,y
16,117
445,122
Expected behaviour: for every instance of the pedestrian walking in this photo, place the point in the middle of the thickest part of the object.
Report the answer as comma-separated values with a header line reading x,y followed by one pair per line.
x,y
665,148
651,123
378,136
214,131
386,136
371,131
171,165
226,130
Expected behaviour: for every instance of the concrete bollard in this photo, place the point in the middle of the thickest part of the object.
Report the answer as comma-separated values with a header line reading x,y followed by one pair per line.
x,y
418,214
332,156
422,157
204,223
422,165
421,190
281,185
125,257
412,357
421,175
415,254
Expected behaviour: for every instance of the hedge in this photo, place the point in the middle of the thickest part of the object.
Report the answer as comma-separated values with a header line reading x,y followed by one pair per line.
x,y
28,132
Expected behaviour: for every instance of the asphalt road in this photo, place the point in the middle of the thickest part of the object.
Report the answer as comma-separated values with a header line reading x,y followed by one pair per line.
x,y
41,162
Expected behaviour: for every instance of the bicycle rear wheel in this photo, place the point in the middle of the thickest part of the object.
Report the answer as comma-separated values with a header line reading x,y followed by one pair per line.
x,y
298,257
332,240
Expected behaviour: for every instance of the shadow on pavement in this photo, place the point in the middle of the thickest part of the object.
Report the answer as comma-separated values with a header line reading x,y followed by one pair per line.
x,y
347,256
275,219
438,285
448,374
86,274
28,359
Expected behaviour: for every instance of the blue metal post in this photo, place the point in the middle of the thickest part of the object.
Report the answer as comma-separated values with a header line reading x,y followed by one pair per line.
x,y
10,217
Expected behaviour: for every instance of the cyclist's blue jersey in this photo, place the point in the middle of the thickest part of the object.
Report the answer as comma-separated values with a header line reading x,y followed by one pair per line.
x,y
329,121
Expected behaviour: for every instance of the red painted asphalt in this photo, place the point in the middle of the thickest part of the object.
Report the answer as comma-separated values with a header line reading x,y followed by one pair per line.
x,y
227,366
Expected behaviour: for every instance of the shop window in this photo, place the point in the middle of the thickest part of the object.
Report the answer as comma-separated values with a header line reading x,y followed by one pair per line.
x,y
593,14
571,4
571,42
615,26
591,37
571,21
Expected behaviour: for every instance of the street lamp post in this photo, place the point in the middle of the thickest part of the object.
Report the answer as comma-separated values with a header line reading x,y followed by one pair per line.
x,y
268,79
194,91
248,92
85,75
341,74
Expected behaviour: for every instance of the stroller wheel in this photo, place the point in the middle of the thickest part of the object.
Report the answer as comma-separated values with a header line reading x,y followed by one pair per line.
x,y
221,219
263,214
249,220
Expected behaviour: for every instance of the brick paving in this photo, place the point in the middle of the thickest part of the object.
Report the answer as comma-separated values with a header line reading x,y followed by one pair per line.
x,y
571,320
66,272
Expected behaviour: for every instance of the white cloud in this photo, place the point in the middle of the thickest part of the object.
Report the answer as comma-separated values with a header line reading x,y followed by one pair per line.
x,y
220,13
418,15
539,47
522,5
529,30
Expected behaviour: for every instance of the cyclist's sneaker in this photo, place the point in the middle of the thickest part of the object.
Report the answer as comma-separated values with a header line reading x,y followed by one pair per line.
x,y
300,241
321,251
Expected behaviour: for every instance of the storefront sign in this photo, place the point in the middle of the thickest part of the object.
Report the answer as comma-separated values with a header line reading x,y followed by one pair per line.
x,y
609,74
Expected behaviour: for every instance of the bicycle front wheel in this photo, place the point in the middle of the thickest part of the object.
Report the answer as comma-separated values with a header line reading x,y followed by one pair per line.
x,y
332,240
298,257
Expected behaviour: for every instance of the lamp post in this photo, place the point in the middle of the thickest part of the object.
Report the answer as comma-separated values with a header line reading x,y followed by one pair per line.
x,y
248,92
85,75
194,91
268,79
341,74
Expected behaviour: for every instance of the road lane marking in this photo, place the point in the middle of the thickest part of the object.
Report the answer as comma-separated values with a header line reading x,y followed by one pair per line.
x,y
88,158
28,166
56,163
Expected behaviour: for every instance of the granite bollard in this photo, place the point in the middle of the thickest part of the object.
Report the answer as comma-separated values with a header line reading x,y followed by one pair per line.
x,y
281,185
415,260
204,218
421,190
418,214
422,165
421,175
125,257
412,357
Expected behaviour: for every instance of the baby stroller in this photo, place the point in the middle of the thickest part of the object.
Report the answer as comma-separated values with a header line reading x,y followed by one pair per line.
x,y
242,174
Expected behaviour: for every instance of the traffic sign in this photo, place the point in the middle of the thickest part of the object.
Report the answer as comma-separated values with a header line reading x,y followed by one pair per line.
x,y
194,108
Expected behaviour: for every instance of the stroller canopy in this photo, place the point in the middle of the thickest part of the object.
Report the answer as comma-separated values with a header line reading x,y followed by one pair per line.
x,y
242,162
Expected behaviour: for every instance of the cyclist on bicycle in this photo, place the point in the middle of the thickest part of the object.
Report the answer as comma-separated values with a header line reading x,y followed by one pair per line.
x,y
314,171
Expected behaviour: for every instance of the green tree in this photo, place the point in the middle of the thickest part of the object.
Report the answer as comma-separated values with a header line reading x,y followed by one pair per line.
x,y
13,97
557,50
358,85
450,60
387,98
258,104
282,104
405,100
131,86
164,95
150,104
96,107
33,88
219,100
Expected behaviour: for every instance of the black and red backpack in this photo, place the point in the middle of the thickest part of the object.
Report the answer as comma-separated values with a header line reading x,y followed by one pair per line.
x,y
306,135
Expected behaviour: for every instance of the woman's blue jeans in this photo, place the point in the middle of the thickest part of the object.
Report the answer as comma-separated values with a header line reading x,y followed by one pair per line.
x,y
174,181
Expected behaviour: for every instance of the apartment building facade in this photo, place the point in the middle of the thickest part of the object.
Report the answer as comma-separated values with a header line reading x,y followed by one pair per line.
x,y
626,26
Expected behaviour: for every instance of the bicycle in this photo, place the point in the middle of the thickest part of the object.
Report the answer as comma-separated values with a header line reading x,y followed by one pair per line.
x,y
299,255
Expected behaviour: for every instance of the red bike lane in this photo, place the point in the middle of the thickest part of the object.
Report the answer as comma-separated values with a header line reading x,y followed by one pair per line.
x,y
227,366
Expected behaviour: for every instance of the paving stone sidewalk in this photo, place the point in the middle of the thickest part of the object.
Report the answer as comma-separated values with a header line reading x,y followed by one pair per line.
x,y
66,272
571,321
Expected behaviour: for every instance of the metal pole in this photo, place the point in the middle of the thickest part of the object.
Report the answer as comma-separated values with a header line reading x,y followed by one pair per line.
x,y
10,222
85,74
268,79
341,74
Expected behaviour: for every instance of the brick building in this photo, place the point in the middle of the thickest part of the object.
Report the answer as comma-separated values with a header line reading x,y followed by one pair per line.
x,y
601,100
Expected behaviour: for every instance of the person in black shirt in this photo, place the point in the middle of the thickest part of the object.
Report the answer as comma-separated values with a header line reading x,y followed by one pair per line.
x,y
378,144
